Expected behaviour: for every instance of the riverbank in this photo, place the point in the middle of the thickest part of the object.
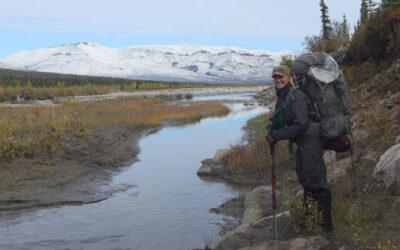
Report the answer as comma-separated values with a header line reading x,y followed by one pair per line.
x,y
163,93
365,185
66,154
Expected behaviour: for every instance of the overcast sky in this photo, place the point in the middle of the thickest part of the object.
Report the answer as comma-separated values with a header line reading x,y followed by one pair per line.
x,y
251,24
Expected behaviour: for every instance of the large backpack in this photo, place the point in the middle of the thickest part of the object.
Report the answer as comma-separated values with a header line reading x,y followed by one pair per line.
x,y
318,75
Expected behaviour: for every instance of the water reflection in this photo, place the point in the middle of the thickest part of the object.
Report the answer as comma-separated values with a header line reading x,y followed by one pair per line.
x,y
166,208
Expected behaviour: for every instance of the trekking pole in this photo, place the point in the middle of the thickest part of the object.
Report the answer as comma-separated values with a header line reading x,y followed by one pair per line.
x,y
273,185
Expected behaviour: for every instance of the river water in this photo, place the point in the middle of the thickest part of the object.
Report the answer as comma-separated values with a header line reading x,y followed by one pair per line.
x,y
165,205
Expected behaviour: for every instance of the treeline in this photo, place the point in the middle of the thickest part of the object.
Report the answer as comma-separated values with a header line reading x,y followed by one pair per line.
x,y
373,16
372,46
14,78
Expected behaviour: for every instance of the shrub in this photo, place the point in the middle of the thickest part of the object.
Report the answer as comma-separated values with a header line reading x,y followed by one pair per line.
x,y
377,40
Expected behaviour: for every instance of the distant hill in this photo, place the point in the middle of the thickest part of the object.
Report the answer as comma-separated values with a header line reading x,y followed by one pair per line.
x,y
186,63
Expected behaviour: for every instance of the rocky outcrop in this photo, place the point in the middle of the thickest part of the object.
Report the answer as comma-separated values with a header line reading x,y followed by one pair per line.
x,y
339,179
388,169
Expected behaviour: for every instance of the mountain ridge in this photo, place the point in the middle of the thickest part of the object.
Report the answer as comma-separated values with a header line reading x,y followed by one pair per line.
x,y
189,63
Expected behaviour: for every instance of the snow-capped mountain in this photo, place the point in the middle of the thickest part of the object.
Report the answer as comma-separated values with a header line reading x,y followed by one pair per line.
x,y
169,63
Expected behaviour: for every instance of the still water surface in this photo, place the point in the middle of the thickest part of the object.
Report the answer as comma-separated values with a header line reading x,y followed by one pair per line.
x,y
167,204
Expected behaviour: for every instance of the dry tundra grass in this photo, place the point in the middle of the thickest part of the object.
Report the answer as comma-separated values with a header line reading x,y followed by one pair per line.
x,y
32,130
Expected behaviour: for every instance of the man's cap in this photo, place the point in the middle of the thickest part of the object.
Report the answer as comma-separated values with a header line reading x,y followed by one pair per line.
x,y
281,70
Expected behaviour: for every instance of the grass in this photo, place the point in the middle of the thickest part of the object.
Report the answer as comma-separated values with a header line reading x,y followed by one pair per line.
x,y
252,157
29,91
29,131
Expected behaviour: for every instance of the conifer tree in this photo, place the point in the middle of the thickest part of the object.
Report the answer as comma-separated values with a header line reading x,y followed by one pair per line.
x,y
364,14
390,3
345,27
326,22
371,7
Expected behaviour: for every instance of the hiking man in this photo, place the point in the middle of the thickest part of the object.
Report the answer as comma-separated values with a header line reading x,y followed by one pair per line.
x,y
290,121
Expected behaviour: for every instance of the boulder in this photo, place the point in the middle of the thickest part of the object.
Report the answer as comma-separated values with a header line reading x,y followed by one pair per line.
x,y
258,203
388,169
249,234
215,165
397,140
329,156
211,167
338,178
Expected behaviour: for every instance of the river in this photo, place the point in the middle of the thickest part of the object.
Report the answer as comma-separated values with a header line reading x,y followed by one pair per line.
x,y
163,205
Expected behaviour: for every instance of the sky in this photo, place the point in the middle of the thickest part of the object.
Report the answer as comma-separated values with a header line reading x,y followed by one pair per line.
x,y
250,24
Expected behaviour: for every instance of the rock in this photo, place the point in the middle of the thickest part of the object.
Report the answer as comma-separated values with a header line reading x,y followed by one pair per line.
x,y
396,98
273,245
310,243
358,117
249,234
396,204
388,169
338,178
329,156
220,154
258,203
395,114
360,137
232,207
386,103
369,158
210,167
397,140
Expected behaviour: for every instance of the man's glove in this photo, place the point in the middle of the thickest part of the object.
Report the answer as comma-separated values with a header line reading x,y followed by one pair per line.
x,y
271,141
269,127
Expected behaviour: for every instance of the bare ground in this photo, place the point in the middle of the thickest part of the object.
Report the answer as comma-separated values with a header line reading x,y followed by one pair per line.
x,y
76,174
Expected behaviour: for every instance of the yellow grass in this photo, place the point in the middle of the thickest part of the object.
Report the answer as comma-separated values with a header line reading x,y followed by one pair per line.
x,y
32,130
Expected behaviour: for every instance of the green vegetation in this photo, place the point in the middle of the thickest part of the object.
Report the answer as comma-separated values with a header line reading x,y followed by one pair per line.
x,y
375,43
287,60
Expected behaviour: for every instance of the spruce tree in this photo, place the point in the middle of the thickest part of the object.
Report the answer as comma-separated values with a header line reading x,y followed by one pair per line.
x,y
390,3
326,22
364,14
345,27
371,7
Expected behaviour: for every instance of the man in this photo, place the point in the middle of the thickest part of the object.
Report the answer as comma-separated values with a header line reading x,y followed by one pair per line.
x,y
290,121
